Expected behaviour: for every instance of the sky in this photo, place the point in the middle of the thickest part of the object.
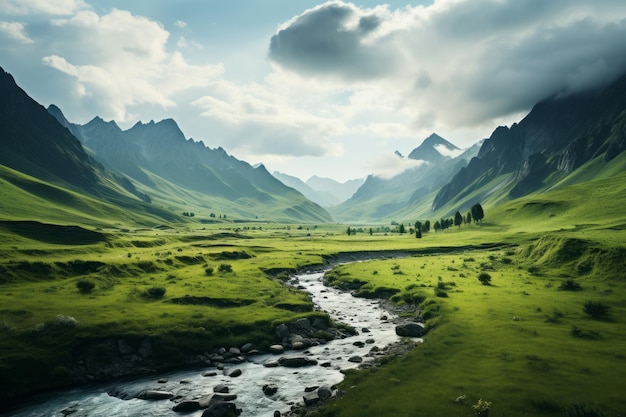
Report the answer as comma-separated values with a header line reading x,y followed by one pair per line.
x,y
307,88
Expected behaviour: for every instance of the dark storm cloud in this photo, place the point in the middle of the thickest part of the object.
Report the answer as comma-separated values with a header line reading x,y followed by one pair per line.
x,y
332,40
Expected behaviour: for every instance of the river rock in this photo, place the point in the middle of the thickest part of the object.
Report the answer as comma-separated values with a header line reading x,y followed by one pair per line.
x,y
271,364
296,361
270,389
221,410
247,348
411,329
209,373
187,406
233,373
311,398
355,359
221,388
277,349
153,395
324,392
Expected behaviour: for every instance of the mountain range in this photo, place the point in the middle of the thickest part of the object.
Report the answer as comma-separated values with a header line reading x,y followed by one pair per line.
x,y
151,173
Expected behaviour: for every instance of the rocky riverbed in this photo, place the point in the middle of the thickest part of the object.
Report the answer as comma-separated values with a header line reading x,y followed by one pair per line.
x,y
302,369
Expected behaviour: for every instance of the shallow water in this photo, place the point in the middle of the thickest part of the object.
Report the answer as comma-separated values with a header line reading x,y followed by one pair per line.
x,y
357,312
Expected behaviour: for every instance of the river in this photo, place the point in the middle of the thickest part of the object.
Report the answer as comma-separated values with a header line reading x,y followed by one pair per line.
x,y
360,313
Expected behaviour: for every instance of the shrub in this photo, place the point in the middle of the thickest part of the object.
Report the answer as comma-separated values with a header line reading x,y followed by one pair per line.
x,y
223,268
85,286
596,309
570,285
154,293
440,292
208,271
482,408
484,278
584,410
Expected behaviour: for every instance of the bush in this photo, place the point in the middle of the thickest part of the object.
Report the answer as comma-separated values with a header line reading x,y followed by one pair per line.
x,y
584,410
208,271
85,286
484,278
154,293
570,285
596,309
223,268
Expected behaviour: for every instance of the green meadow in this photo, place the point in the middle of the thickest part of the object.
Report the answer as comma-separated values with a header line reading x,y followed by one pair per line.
x,y
546,336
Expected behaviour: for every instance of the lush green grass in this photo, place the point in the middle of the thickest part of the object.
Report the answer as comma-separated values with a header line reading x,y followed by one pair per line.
x,y
553,356
520,343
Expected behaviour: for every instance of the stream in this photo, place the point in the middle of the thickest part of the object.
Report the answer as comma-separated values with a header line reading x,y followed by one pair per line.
x,y
365,315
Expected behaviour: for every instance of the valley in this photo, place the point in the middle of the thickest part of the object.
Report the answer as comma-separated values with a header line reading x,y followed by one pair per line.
x,y
133,253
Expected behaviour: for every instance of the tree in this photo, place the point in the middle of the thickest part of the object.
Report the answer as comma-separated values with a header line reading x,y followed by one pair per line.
x,y
349,231
418,229
477,212
371,231
468,218
426,226
484,278
401,229
437,226
458,219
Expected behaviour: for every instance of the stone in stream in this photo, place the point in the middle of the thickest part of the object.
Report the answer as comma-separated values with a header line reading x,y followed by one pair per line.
x,y
324,392
187,406
270,389
277,349
247,348
221,388
271,364
233,373
355,359
411,329
222,409
209,373
296,361
154,395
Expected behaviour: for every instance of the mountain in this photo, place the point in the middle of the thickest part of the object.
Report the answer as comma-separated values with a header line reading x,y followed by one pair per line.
x,y
338,192
437,160
188,176
560,136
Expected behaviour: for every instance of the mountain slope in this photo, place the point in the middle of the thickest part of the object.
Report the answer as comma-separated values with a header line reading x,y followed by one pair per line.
x,y
187,176
386,198
556,138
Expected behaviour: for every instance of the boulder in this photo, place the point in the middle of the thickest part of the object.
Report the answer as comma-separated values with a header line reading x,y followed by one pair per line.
x,y
209,373
411,329
187,406
277,349
221,409
270,389
311,398
221,388
247,348
154,395
355,359
271,364
296,361
324,392
233,373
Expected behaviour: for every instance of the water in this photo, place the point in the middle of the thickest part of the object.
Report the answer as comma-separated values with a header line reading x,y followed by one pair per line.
x,y
190,384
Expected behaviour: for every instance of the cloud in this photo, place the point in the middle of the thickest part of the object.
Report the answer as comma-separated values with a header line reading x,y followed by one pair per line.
x,y
457,63
180,24
15,31
388,166
259,120
119,61
50,7
335,39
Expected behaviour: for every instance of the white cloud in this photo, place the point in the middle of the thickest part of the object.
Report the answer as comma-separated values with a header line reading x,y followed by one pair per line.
x,y
388,166
15,31
180,24
261,121
120,61
51,7
455,63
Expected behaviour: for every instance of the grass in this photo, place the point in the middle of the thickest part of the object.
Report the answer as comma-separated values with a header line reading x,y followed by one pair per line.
x,y
499,343
520,343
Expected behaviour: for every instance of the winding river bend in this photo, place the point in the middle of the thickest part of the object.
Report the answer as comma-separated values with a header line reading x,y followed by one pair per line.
x,y
291,382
